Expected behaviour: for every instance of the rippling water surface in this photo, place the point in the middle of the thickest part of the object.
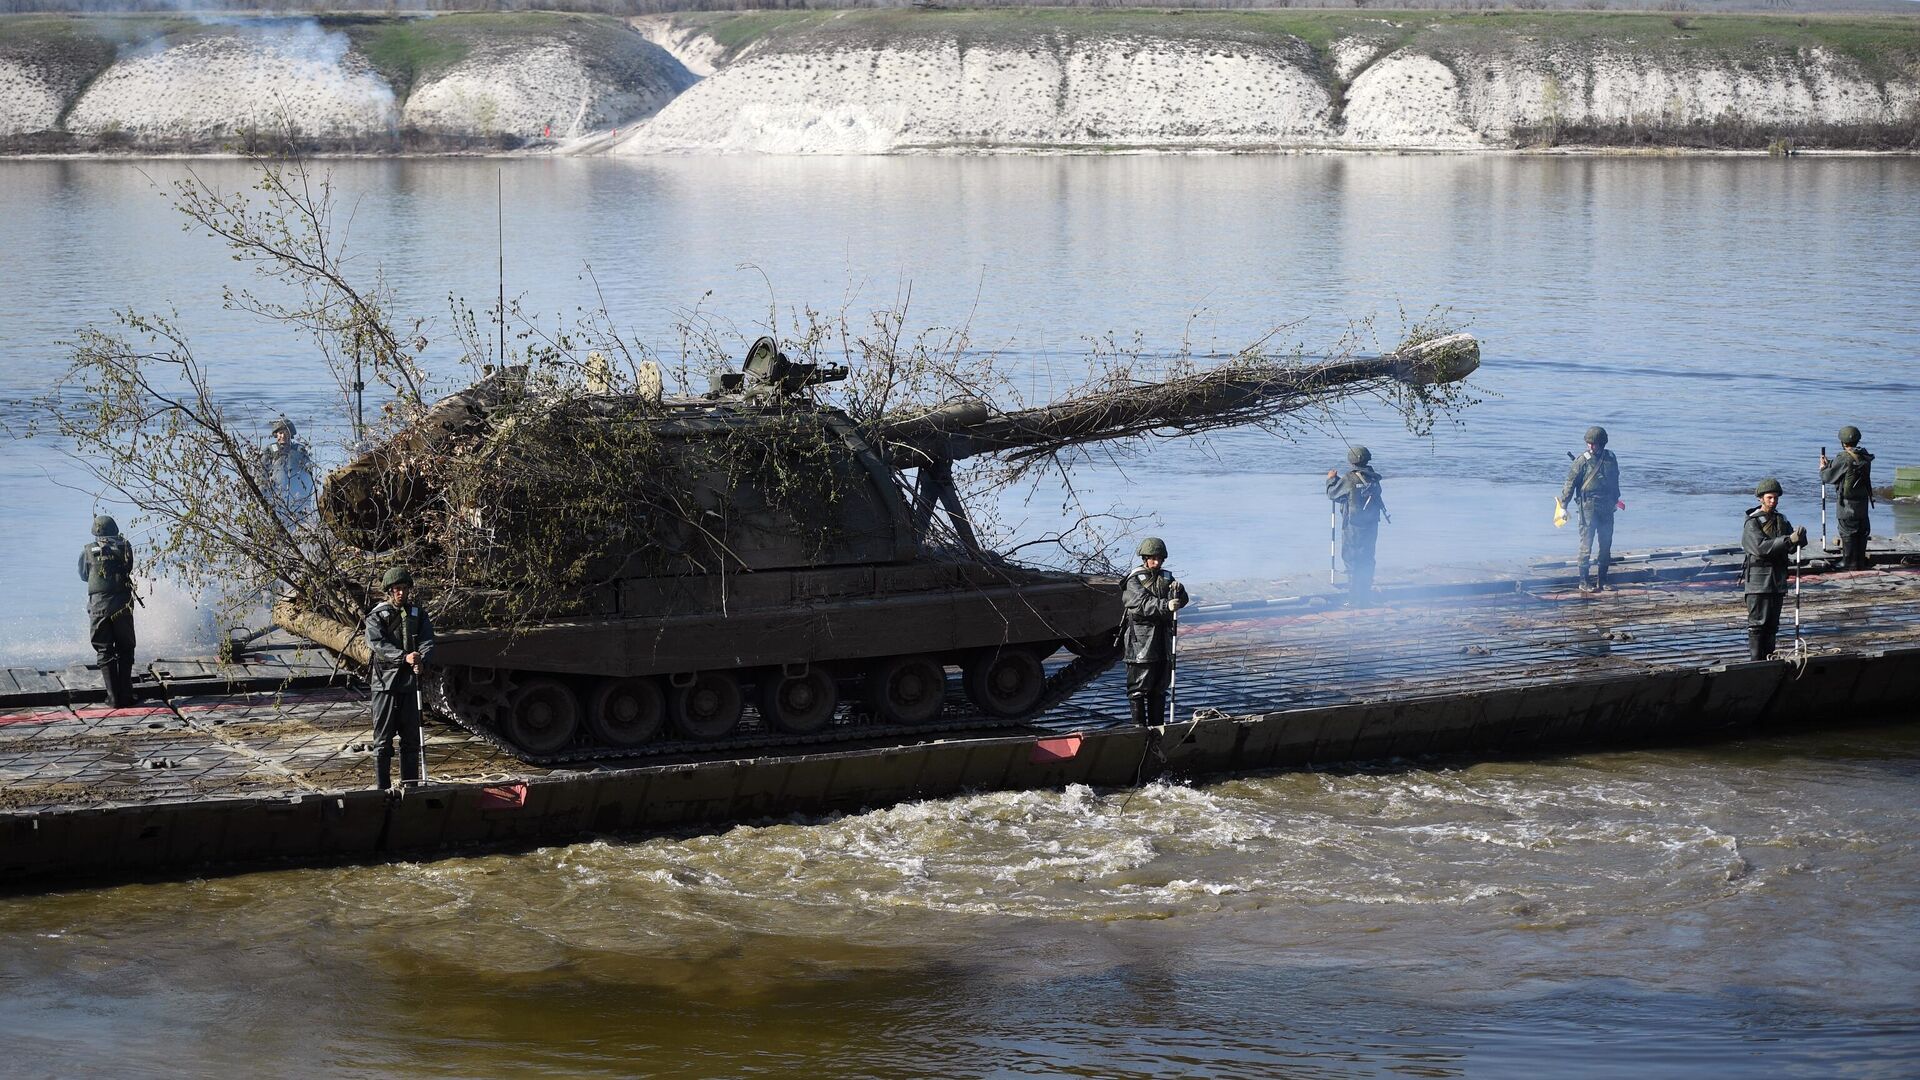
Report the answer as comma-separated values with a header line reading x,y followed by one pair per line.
x,y
1722,317
1745,909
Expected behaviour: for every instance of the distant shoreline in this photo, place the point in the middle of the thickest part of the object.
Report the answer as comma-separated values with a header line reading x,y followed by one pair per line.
x,y
960,81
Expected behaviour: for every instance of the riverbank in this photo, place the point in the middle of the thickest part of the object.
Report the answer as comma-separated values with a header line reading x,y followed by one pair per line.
x,y
943,81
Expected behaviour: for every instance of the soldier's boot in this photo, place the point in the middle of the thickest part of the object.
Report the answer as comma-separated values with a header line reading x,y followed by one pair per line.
x,y
1756,644
1768,638
411,769
1139,707
1157,711
123,683
383,767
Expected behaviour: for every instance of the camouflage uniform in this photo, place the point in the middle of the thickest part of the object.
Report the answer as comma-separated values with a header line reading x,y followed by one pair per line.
x,y
290,475
1594,479
392,633
1768,540
1361,504
1149,599
106,565
1851,474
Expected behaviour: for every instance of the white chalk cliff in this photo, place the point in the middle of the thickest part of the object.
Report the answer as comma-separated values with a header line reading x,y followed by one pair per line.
x,y
813,97
841,86
215,86
546,89
272,76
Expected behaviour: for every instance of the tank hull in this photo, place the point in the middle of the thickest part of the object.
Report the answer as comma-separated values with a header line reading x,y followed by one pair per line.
x,y
844,616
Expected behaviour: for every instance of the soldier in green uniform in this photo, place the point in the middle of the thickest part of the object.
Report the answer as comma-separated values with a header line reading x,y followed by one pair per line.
x,y
106,565
1361,504
290,473
1851,475
1768,539
1149,599
1594,479
400,637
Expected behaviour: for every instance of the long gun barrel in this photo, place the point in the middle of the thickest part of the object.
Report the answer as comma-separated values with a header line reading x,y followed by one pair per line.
x,y
1239,392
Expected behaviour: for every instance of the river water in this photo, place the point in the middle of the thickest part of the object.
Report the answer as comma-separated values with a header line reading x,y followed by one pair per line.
x,y
1746,907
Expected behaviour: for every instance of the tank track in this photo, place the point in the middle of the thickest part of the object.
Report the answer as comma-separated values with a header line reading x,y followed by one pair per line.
x,y
847,726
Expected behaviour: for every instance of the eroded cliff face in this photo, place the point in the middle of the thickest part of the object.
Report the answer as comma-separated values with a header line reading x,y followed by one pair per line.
x,y
212,85
550,89
818,95
895,82
1053,94
219,85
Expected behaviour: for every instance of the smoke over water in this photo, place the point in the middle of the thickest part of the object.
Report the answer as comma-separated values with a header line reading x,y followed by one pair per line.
x,y
171,622
265,73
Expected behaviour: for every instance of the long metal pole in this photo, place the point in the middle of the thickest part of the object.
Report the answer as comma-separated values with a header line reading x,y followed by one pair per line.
x,y
420,728
1823,508
1173,670
1799,647
1333,540
500,248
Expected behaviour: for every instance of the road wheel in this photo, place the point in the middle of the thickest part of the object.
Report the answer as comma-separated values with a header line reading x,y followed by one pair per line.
x,y
707,709
627,712
799,706
1005,682
906,689
544,716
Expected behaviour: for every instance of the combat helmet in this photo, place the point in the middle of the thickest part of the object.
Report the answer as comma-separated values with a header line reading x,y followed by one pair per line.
x,y
1597,435
1359,455
1849,436
1769,486
283,424
105,526
399,575
1152,548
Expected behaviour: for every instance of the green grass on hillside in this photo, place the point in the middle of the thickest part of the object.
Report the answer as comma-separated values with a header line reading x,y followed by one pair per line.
x,y
1885,45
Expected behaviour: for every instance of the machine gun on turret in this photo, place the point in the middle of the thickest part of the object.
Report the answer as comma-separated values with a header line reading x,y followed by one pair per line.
x,y
768,375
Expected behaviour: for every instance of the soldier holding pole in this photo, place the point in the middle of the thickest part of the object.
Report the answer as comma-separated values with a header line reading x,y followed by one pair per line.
x,y
1356,494
1149,598
1768,539
1851,475
400,637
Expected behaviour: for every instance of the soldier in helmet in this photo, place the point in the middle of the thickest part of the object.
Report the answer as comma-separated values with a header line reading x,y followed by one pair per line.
x,y
1851,475
289,473
1594,479
106,565
400,637
1768,539
1149,598
1361,504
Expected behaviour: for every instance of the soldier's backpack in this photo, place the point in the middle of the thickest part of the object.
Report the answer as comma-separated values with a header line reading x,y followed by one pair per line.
x,y
1366,497
1858,482
112,569
1600,480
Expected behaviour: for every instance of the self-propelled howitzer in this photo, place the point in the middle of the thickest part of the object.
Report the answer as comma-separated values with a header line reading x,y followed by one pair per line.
x,y
751,568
